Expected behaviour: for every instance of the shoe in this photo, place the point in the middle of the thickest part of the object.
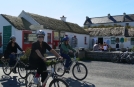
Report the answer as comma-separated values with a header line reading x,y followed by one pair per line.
x,y
36,80
66,70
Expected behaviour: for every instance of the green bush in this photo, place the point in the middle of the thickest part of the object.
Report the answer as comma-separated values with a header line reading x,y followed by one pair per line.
x,y
25,57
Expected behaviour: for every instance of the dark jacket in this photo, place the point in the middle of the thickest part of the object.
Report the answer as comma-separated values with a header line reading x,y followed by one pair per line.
x,y
10,49
35,46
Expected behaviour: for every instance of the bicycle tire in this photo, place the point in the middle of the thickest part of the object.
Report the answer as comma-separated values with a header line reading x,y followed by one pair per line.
x,y
60,75
3,68
21,65
115,59
75,76
58,80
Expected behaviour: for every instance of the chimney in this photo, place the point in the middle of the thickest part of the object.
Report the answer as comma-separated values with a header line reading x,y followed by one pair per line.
x,y
63,18
108,15
124,14
87,17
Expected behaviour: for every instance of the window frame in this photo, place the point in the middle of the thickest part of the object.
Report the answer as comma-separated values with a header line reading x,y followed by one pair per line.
x,y
85,40
49,36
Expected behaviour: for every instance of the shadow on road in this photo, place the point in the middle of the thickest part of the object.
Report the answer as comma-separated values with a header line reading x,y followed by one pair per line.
x,y
75,83
8,81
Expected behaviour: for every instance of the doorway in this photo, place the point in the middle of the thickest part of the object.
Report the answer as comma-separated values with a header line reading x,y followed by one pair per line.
x,y
100,40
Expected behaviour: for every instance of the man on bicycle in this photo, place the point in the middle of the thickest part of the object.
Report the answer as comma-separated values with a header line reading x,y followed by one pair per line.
x,y
37,58
65,49
11,51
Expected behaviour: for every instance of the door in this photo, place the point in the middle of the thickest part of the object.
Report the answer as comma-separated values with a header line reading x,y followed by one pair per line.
x,y
25,42
6,36
100,40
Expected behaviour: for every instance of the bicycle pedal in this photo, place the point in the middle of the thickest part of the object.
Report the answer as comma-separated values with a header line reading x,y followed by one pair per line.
x,y
67,71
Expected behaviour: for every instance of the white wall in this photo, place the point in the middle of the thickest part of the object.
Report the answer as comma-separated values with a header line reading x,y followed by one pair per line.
x,y
81,38
126,44
4,22
18,34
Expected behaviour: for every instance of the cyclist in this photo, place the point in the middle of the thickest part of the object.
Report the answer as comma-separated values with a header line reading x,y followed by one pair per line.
x,y
65,49
37,58
11,51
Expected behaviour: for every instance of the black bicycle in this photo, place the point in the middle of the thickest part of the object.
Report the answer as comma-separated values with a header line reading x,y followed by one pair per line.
x,y
21,66
55,80
79,70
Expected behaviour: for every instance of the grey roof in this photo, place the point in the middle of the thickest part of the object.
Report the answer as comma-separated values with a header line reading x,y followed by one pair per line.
x,y
56,24
111,31
118,31
111,19
17,22
129,32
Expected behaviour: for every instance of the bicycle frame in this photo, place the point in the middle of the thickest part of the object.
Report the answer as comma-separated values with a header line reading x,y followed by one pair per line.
x,y
50,73
18,60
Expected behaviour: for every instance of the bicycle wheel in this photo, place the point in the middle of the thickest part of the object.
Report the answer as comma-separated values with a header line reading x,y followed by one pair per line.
x,y
58,83
6,68
29,80
59,68
115,59
81,69
22,70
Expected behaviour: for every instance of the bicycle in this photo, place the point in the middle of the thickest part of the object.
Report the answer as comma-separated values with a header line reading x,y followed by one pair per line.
x,y
123,56
51,73
76,65
7,69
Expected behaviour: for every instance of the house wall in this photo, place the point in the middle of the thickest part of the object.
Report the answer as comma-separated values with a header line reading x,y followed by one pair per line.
x,y
121,23
81,38
126,43
4,22
18,34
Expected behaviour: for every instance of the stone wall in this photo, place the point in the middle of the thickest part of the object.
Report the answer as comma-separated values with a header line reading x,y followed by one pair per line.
x,y
100,56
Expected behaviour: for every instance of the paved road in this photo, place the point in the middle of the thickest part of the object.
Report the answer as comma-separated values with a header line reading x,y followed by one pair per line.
x,y
101,74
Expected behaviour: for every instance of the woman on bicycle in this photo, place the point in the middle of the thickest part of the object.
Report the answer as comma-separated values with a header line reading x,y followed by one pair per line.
x,y
65,48
11,51
37,59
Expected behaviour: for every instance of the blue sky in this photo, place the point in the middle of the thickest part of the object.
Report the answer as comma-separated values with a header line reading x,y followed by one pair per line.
x,y
75,10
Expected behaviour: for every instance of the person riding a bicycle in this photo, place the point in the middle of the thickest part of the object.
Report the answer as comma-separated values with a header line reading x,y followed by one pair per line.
x,y
65,49
11,51
37,59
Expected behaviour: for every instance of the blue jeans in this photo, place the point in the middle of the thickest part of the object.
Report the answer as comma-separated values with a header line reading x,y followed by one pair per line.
x,y
12,59
68,60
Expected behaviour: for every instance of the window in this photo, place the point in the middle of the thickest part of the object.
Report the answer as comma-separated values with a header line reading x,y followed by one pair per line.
x,y
85,40
132,41
26,38
112,40
49,38
117,40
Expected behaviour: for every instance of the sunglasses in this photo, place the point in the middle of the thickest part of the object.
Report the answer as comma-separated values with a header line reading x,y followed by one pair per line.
x,y
40,36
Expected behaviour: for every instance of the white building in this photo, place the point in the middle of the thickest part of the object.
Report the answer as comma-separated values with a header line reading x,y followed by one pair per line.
x,y
121,20
112,30
54,29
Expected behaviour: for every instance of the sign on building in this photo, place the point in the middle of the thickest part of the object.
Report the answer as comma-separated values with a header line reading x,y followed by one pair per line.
x,y
32,37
